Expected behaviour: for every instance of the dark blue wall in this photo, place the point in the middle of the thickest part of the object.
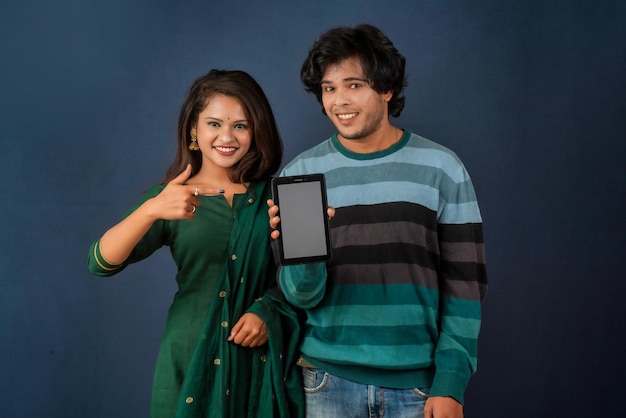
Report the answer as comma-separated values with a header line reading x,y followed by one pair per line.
x,y
530,94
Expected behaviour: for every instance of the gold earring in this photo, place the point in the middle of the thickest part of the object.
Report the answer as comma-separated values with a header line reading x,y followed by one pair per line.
x,y
194,143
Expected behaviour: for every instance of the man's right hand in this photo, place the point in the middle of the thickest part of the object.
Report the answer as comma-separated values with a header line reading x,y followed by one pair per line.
x,y
275,219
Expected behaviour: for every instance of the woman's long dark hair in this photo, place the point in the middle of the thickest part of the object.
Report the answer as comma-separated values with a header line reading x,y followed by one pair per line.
x,y
266,150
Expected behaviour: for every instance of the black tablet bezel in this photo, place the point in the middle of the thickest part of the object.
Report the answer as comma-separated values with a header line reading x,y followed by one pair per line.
x,y
300,179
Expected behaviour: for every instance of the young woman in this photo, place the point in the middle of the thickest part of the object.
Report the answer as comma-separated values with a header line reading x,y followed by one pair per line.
x,y
230,340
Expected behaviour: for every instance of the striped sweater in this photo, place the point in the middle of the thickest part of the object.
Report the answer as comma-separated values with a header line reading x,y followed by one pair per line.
x,y
399,304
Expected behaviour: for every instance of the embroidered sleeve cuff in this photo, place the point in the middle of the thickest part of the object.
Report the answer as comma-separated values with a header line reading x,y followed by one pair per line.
x,y
97,263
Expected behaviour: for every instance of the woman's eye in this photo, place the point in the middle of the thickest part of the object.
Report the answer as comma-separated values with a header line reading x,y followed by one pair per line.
x,y
214,124
241,126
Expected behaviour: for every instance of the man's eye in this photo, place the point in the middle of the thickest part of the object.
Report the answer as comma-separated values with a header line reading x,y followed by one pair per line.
x,y
328,89
355,85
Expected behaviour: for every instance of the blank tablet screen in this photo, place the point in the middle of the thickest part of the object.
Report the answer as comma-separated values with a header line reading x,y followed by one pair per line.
x,y
303,220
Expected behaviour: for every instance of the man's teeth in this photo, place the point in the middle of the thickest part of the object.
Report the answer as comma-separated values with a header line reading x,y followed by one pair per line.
x,y
346,116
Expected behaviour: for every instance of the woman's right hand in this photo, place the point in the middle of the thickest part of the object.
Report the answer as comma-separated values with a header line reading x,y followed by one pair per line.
x,y
177,200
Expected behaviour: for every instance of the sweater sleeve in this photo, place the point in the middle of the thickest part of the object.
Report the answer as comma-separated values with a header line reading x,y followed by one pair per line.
x,y
462,283
303,284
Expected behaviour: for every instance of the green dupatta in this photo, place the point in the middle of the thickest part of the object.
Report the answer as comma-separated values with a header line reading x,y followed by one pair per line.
x,y
225,379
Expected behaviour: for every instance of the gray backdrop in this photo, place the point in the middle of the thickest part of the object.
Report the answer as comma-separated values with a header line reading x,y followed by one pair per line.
x,y
530,94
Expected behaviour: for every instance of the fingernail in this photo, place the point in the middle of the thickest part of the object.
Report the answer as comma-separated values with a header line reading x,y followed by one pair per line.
x,y
221,190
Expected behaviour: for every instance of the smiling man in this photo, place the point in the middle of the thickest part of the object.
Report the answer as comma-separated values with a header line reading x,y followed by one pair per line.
x,y
393,319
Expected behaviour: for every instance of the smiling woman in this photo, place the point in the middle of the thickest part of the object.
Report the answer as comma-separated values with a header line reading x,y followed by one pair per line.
x,y
224,136
225,327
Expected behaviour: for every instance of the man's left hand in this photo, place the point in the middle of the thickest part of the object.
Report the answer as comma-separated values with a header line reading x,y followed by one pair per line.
x,y
443,407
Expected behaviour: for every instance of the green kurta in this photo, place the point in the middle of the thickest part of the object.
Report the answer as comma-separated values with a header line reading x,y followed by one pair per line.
x,y
225,268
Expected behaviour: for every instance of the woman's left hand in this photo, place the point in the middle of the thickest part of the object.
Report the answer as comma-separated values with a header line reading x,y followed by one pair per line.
x,y
249,331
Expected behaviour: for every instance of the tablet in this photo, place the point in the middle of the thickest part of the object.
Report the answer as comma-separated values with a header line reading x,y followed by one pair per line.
x,y
304,229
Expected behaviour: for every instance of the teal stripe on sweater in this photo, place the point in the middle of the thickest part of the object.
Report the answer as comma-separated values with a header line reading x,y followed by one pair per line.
x,y
462,213
380,295
461,327
375,336
373,194
450,347
462,307
394,171
383,356
372,315
397,171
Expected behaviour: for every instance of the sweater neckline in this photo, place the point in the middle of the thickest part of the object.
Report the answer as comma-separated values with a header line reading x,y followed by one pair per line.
x,y
371,155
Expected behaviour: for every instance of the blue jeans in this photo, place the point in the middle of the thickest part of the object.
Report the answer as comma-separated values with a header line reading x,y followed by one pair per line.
x,y
329,396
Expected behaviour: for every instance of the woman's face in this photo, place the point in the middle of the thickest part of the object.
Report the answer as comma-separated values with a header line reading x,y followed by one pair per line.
x,y
223,131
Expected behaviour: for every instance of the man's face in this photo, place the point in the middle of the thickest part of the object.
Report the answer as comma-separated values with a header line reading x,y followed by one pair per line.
x,y
356,110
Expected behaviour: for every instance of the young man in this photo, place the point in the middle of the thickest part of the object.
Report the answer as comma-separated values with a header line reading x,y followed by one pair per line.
x,y
393,319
